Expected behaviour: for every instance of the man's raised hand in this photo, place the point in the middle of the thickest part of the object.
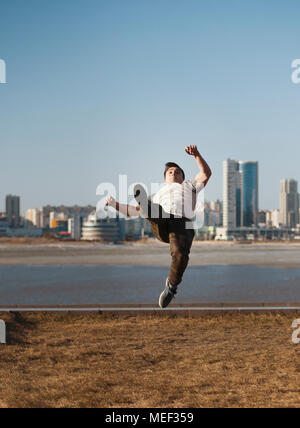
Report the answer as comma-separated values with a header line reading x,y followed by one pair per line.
x,y
192,150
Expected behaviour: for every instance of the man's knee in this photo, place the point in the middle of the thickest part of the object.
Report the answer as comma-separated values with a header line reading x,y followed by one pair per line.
x,y
180,256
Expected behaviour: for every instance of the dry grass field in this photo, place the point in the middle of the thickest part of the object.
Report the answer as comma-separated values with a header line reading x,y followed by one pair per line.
x,y
227,360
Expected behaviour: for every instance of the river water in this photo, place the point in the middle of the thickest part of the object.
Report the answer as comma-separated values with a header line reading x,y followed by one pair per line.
x,y
83,285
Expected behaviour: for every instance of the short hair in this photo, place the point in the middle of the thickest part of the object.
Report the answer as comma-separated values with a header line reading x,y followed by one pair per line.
x,y
173,165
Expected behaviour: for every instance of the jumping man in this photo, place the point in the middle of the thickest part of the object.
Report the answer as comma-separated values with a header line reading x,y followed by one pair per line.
x,y
170,212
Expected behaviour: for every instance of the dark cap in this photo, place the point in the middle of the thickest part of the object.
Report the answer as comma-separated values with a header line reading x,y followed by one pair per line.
x,y
173,165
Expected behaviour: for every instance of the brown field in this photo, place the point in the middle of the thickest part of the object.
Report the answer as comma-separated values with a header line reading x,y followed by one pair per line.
x,y
93,360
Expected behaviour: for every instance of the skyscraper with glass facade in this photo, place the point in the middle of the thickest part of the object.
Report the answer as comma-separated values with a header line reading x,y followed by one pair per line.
x,y
249,193
240,193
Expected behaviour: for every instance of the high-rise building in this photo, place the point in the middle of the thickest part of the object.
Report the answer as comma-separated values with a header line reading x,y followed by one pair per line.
x,y
249,193
289,203
212,214
55,218
13,210
262,217
275,218
219,211
240,193
270,218
74,227
33,216
231,194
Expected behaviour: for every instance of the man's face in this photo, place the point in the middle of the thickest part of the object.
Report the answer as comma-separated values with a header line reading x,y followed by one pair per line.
x,y
174,175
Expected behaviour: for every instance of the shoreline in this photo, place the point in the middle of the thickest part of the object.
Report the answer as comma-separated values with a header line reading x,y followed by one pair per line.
x,y
23,242
281,255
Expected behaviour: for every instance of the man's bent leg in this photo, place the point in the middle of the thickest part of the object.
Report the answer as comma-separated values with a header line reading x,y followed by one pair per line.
x,y
159,222
181,240
160,230
154,213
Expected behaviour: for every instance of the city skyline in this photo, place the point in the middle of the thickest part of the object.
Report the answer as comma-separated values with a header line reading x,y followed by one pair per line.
x,y
233,163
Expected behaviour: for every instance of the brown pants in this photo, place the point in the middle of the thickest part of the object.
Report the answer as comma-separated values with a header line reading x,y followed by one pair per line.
x,y
173,231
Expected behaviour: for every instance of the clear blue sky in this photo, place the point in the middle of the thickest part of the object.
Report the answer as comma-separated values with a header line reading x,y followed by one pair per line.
x,y
101,87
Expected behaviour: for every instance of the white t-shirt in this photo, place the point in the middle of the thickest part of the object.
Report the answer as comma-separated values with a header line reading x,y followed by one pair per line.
x,y
178,199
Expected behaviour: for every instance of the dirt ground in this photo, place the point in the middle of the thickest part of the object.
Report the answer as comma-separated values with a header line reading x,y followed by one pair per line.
x,y
106,360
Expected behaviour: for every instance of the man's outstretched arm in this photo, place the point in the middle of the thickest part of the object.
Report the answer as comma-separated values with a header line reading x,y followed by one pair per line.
x,y
128,210
205,171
